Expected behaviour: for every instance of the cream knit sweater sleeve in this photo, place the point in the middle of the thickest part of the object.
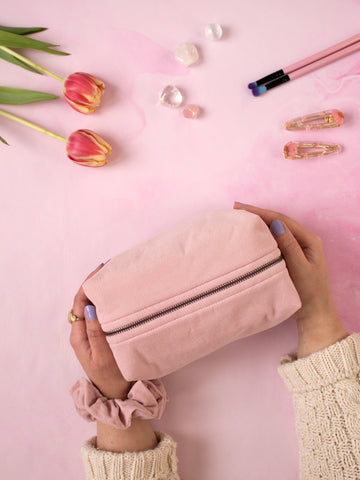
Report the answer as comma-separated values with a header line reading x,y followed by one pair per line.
x,y
326,397
159,463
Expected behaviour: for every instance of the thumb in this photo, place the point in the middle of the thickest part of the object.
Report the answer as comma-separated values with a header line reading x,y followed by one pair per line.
x,y
293,254
96,336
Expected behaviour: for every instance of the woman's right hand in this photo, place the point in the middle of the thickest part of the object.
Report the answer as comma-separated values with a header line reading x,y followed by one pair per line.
x,y
92,349
318,323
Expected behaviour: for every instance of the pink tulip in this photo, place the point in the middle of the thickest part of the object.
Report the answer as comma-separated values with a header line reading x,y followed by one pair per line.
x,y
85,147
83,92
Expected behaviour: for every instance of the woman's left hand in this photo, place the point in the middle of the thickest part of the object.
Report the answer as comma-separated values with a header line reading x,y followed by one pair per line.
x,y
93,351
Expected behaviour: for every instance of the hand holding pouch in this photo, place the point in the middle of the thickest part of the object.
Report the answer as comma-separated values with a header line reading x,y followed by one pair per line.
x,y
190,291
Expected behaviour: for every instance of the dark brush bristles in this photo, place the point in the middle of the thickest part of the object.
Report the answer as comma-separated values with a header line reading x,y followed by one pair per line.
x,y
267,79
257,91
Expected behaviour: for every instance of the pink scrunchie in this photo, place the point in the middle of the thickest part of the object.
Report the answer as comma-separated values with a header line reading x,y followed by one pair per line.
x,y
146,400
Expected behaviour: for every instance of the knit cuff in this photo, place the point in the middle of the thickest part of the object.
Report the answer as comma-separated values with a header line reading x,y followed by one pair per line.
x,y
336,362
158,463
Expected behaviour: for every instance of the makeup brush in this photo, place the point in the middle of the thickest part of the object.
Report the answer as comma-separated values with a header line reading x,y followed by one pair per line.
x,y
307,65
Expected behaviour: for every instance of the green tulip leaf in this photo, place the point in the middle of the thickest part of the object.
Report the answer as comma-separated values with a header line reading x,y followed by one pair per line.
x,y
18,96
22,31
13,40
3,141
9,58
54,52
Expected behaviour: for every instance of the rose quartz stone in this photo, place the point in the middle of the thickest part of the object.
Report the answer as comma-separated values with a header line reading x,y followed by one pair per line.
x,y
187,54
191,111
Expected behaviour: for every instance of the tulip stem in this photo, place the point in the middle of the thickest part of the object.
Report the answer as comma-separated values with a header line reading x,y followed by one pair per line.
x,y
32,125
32,64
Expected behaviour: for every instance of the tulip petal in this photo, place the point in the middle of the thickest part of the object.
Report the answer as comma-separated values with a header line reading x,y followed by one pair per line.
x,y
82,98
81,108
99,140
81,86
100,84
90,163
86,109
83,90
87,148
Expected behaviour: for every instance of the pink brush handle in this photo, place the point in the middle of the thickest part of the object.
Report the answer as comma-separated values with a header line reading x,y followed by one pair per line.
x,y
324,53
324,61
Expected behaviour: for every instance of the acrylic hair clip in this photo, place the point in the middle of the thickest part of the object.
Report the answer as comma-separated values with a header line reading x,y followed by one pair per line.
x,y
327,119
295,150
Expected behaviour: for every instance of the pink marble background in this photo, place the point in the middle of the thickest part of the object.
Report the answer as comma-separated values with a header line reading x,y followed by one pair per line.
x,y
230,412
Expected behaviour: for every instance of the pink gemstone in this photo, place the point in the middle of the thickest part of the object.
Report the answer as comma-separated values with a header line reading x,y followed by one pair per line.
x,y
290,150
191,111
338,117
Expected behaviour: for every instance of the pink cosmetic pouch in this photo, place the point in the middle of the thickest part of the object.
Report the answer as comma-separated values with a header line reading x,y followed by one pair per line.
x,y
190,291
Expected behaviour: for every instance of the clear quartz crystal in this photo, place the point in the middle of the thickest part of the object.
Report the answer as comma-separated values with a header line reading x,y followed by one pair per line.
x,y
186,54
171,97
213,31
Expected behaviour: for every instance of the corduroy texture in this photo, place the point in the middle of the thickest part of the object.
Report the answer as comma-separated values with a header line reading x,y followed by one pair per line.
x,y
326,397
157,464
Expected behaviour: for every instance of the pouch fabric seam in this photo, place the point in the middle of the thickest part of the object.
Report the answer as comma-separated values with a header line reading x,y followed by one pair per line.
x,y
198,286
118,335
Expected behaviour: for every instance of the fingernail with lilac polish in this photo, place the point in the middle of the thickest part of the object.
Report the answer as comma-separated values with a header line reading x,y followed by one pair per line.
x,y
277,228
90,312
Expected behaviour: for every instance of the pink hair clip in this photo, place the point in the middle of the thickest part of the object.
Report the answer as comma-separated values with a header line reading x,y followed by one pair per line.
x,y
327,119
295,150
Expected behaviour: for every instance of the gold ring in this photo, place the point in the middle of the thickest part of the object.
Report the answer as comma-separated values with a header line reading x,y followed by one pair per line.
x,y
73,318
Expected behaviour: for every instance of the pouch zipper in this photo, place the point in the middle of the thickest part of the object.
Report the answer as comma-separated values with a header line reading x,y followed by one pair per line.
x,y
196,298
